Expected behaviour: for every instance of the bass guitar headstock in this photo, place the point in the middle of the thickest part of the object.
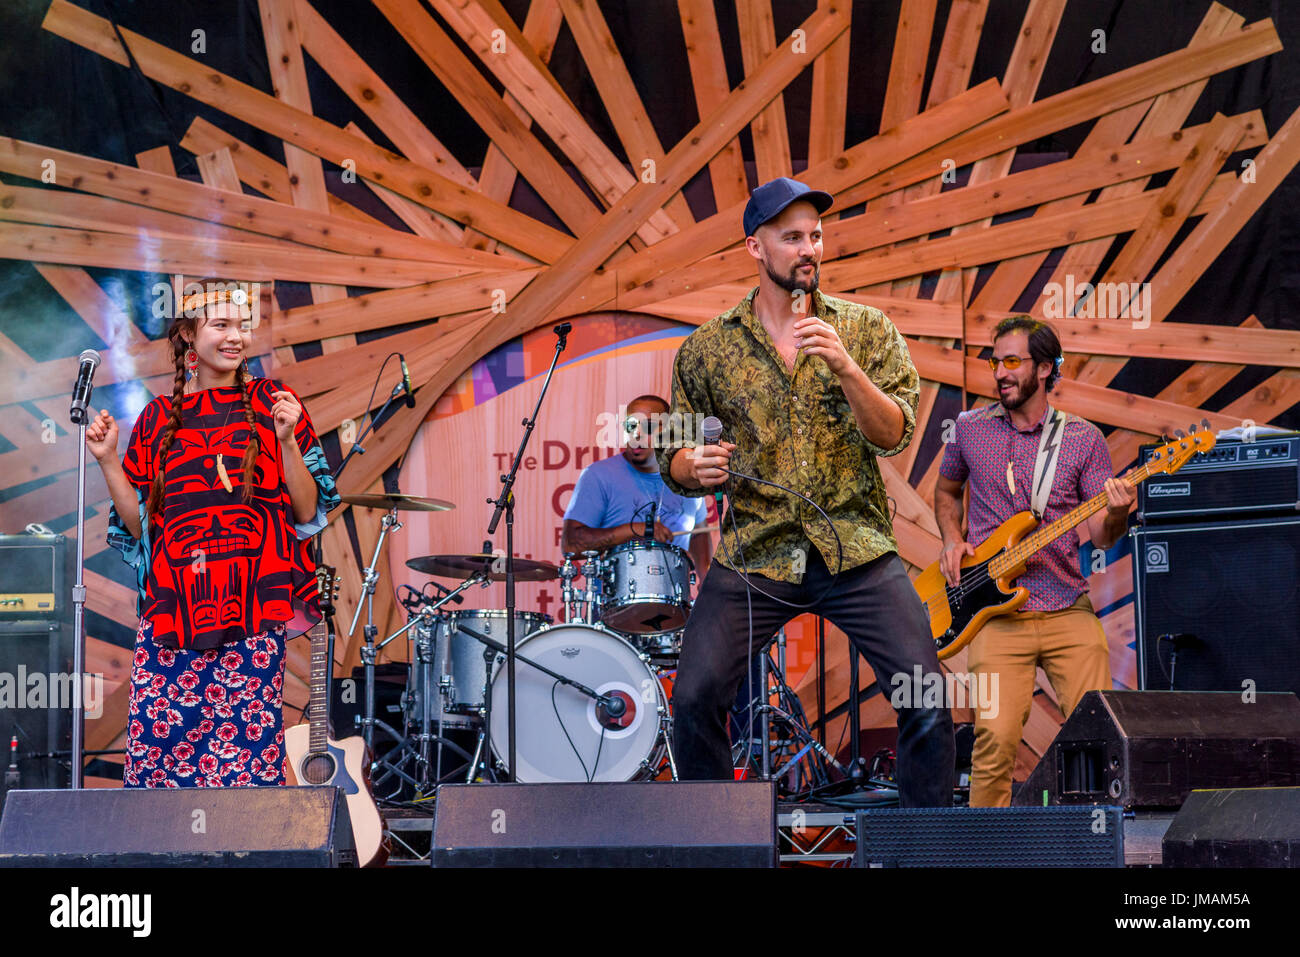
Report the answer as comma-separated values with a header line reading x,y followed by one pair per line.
x,y
1174,454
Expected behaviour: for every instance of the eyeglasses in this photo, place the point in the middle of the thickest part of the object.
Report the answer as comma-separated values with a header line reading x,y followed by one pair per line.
x,y
1011,362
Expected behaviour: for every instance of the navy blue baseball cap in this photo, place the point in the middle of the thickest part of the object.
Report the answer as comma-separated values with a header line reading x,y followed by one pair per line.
x,y
772,197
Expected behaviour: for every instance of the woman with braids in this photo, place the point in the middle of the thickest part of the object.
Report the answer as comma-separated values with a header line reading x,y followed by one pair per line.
x,y
223,484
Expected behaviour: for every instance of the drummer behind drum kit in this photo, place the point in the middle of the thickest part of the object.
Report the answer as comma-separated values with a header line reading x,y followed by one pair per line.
x,y
590,690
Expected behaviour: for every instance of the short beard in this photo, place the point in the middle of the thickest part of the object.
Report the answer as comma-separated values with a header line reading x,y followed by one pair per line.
x,y
791,284
1027,392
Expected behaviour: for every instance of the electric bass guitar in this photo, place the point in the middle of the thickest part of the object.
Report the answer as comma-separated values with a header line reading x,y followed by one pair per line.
x,y
986,588
316,758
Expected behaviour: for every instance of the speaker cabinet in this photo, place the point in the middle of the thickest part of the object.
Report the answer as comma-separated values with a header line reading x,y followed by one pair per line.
x,y
1246,827
1234,587
990,837
177,827
640,824
1150,749
36,692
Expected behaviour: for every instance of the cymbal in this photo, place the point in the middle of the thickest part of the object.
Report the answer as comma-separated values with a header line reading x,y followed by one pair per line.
x,y
405,503
493,566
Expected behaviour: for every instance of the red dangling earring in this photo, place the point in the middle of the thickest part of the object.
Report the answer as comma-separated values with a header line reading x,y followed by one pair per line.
x,y
192,361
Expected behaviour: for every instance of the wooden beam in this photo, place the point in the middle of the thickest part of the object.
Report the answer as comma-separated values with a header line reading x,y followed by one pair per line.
x,y
497,177
260,171
440,53
709,80
374,97
395,307
1062,110
549,289
238,99
614,83
232,208
769,129
196,257
830,98
852,166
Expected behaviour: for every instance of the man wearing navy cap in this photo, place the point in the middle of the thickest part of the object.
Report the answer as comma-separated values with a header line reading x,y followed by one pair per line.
x,y
810,389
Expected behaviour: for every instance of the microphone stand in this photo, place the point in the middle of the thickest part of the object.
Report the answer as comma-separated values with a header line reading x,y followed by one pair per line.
x,y
505,502
79,606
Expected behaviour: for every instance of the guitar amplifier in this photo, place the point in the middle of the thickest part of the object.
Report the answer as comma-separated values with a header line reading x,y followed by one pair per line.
x,y
1261,477
1223,597
35,582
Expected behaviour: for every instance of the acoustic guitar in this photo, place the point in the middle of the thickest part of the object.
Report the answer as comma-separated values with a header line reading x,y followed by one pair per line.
x,y
317,758
987,586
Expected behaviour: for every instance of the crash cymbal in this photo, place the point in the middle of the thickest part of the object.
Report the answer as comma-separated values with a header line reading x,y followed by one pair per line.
x,y
493,566
404,503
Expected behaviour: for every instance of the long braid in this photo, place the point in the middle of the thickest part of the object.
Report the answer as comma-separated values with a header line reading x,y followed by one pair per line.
x,y
254,445
154,506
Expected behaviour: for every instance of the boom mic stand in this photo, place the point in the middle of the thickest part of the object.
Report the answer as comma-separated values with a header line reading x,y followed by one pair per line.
x,y
505,502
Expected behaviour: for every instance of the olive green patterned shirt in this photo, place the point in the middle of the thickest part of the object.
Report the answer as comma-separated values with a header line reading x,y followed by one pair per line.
x,y
795,428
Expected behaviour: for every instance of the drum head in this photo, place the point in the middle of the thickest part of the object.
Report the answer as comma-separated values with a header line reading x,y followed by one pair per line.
x,y
559,734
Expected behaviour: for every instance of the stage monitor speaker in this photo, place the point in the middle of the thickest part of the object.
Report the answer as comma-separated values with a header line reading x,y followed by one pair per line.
x,y
1229,594
990,837
177,827
1239,827
640,824
1150,749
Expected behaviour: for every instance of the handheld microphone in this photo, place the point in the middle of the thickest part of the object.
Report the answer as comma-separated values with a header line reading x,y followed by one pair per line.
x,y
711,430
84,387
406,382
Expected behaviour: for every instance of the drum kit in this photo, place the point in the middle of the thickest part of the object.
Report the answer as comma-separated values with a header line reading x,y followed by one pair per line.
x,y
591,690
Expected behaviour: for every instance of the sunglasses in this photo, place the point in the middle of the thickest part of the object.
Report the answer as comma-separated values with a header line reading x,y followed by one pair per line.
x,y
1011,362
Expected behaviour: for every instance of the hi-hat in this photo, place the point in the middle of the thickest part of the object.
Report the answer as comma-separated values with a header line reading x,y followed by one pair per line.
x,y
404,503
490,566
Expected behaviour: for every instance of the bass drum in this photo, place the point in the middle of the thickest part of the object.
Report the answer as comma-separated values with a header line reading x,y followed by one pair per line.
x,y
560,733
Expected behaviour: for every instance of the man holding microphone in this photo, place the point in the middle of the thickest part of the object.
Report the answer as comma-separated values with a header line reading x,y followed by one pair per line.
x,y
809,389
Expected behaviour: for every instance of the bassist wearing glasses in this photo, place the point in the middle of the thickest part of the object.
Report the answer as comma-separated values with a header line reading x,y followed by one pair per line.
x,y
1019,454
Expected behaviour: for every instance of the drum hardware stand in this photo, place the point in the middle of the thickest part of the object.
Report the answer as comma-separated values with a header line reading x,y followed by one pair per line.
x,y
422,749
505,502
794,723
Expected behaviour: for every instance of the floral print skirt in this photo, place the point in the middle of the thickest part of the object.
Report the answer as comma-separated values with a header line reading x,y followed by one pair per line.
x,y
206,718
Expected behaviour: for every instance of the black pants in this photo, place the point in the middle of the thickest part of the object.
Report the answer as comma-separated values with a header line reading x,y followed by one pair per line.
x,y
879,610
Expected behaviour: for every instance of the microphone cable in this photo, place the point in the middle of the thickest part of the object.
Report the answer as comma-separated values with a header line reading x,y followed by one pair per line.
x,y
748,733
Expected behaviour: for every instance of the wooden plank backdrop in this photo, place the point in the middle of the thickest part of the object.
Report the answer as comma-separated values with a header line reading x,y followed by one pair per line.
x,y
490,273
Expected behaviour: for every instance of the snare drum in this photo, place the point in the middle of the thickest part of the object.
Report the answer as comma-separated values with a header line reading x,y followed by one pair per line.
x,y
560,734
647,588
459,655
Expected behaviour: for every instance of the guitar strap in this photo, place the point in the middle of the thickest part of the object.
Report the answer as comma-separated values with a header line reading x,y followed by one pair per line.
x,y
1045,464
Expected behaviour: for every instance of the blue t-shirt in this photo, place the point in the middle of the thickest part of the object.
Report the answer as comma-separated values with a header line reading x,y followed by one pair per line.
x,y
612,492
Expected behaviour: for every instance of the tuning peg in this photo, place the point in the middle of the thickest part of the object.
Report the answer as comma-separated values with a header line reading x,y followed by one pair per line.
x,y
1180,433
1205,425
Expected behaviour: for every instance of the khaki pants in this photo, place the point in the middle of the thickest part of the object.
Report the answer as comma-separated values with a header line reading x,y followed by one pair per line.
x,y
1071,647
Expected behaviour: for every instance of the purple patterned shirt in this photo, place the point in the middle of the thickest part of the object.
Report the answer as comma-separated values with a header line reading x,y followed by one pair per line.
x,y
984,440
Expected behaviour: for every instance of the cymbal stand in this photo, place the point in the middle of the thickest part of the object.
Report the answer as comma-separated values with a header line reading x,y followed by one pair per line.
x,y
368,722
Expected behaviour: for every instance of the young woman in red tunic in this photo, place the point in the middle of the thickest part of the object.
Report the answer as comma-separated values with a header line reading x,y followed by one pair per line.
x,y
223,484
